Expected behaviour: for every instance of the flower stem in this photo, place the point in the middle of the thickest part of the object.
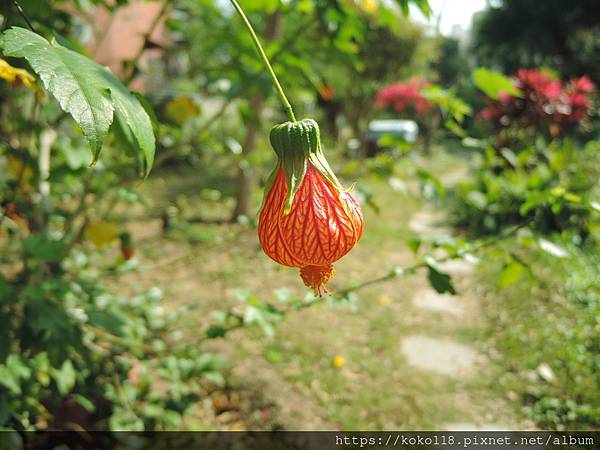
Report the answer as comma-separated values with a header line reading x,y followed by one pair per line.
x,y
263,56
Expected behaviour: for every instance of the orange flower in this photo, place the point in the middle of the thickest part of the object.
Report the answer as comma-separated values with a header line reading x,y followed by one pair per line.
x,y
308,220
327,92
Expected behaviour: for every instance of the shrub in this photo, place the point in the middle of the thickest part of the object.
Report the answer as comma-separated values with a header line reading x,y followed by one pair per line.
x,y
74,353
542,103
428,104
546,333
552,186
404,97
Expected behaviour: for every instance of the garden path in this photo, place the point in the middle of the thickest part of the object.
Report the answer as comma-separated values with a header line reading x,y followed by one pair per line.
x,y
444,356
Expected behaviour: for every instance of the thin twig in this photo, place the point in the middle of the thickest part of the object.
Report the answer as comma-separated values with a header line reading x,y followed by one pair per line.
x,y
392,274
23,15
405,270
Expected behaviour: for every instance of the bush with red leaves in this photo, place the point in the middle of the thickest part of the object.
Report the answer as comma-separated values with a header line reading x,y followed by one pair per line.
x,y
545,103
404,97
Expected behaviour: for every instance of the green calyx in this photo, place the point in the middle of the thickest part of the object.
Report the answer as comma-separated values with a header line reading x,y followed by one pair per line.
x,y
296,145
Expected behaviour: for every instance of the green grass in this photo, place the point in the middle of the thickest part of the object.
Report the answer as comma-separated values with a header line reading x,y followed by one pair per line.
x,y
551,319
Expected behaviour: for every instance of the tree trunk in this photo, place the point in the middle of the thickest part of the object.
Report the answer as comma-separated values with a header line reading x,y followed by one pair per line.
x,y
430,130
246,181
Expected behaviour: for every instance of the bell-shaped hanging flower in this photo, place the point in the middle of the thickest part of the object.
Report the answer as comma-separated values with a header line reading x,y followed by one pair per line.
x,y
308,220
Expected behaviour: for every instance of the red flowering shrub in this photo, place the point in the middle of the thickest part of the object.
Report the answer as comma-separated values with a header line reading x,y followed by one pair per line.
x,y
544,103
404,97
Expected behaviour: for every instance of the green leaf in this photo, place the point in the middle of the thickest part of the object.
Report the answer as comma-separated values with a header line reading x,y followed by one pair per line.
x,y
493,83
476,199
5,412
510,274
254,315
69,76
64,377
414,244
40,247
427,177
440,281
133,119
423,6
216,331
125,420
6,290
12,372
215,378
84,89
5,335
85,402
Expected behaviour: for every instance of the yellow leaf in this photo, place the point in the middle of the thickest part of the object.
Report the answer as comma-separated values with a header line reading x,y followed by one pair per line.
x,y
16,76
102,233
339,361
181,109
384,300
20,170
369,6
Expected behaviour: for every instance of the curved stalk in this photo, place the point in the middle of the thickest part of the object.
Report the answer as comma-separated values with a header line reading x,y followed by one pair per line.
x,y
263,56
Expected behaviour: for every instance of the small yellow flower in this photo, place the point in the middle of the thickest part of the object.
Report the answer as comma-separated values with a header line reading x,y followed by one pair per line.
x,y
16,76
339,361
102,233
369,6
384,300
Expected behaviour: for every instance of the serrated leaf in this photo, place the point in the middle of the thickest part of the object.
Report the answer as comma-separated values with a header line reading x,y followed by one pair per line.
x,y
90,93
66,75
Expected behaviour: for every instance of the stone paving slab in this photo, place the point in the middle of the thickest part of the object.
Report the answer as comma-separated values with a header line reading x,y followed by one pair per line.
x,y
427,298
428,223
444,357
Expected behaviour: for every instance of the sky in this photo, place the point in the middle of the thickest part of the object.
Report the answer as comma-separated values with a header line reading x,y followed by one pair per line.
x,y
454,12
